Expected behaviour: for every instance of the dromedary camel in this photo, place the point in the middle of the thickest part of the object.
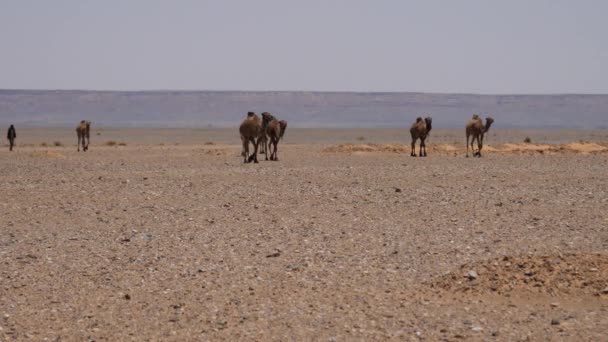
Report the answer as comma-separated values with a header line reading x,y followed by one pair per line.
x,y
251,131
11,135
275,131
266,119
420,130
477,130
82,131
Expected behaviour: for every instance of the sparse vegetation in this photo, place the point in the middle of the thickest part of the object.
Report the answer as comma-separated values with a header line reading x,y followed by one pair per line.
x,y
110,143
58,143
44,144
209,143
122,144
360,138
527,140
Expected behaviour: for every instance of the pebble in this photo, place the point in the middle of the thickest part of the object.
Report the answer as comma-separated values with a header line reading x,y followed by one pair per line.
x,y
472,275
554,322
477,328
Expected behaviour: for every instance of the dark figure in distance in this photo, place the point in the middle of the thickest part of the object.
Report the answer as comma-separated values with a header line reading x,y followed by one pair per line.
x,y
11,135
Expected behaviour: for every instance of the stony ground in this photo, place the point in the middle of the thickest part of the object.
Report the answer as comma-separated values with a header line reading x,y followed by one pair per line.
x,y
184,242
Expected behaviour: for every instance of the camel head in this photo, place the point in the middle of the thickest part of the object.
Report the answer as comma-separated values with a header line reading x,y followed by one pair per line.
x,y
88,124
283,125
266,118
489,122
429,123
475,117
418,119
250,114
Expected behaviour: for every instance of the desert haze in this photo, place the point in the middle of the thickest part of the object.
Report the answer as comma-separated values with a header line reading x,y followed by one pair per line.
x,y
301,109
164,234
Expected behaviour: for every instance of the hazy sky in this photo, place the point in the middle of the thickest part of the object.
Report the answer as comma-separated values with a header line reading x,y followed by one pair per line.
x,y
483,46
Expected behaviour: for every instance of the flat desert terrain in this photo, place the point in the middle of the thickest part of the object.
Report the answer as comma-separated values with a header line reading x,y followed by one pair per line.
x,y
165,235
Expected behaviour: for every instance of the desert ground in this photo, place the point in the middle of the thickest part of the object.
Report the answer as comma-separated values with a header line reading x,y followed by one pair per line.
x,y
164,234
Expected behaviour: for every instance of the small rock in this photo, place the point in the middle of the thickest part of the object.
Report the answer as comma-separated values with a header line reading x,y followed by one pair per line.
x,y
554,304
528,273
275,254
554,322
605,290
127,297
477,328
472,275
397,190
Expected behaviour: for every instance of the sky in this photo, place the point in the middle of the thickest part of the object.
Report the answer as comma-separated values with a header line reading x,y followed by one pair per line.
x,y
465,46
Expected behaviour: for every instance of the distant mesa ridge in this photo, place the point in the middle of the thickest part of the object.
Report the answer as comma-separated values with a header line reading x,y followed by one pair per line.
x,y
168,108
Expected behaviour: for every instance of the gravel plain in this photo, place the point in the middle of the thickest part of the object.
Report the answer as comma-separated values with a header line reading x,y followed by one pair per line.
x,y
175,239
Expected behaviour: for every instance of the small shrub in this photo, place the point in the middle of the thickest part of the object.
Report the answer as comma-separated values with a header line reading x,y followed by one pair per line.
x,y
360,138
58,143
209,143
110,143
122,144
527,140
44,144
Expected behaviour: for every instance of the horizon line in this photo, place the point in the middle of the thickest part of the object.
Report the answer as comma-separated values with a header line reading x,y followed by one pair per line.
x,y
296,91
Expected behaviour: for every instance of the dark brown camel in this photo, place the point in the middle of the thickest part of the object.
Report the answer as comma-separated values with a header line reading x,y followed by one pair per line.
x,y
420,130
275,131
266,119
83,132
477,130
251,131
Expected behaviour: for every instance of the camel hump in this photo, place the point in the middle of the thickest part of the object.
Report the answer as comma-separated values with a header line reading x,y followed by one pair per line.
x,y
250,114
418,119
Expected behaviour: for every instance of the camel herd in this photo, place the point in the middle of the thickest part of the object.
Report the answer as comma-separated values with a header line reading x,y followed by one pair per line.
x,y
265,132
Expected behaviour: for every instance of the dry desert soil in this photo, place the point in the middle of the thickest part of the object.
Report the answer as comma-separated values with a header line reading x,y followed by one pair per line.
x,y
165,235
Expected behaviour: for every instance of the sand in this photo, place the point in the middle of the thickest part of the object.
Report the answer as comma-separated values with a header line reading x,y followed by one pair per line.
x,y
171,237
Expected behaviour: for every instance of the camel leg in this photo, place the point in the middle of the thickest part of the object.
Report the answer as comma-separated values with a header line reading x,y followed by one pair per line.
x,y
78,145
256,143
413,153
12,143
263,147
479,146
422,147
245,149
473,146
276,151
266,146
467,146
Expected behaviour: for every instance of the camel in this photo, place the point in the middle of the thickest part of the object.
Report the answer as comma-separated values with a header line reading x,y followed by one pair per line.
x,y
11,135
420,130
275,131
477,130
82,131
283,124
266,119
251,131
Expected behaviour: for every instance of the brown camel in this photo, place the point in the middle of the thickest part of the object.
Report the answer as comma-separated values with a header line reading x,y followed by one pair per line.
x,y
82,131
11,135
275,131
420,130
283,124
251,131
477,130
266,119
